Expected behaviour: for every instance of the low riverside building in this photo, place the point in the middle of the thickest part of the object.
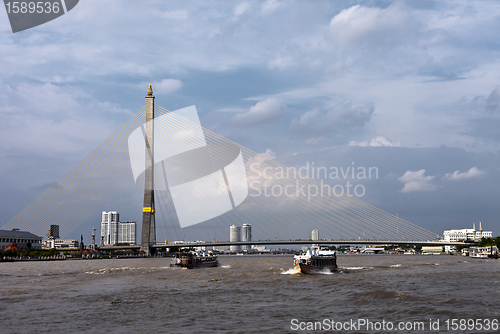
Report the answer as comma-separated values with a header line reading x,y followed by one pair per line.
x,y
372,250
465,234
433,249
23,239
60,243
91,254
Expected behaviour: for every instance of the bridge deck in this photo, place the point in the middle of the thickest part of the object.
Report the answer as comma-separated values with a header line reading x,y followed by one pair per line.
x,y
286,242
316,242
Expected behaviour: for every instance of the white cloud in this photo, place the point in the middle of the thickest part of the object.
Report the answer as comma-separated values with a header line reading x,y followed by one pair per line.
x,y
270,6
342,116
241,8
416,181
48,119
471,173
166,86
493,100
377,142
232,110
266,111
176,15
269,154
370,25
280,63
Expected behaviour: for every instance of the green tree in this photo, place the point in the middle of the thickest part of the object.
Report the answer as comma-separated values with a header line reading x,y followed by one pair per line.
x,y
53,252
485,242
10,253
28,252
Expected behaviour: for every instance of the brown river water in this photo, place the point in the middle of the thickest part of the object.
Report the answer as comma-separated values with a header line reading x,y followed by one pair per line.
x,y
252,294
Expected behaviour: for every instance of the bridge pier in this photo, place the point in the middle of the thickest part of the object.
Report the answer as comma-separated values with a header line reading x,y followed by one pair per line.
x,y
148,236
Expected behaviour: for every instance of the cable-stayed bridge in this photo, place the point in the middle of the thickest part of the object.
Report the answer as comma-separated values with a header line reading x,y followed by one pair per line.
x,y
191,244
200,184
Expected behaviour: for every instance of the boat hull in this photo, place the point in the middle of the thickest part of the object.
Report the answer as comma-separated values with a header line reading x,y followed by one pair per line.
x,y
191,261
480,256
309,269
202,265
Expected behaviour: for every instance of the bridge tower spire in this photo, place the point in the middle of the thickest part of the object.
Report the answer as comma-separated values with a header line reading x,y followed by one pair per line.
x,y
148,236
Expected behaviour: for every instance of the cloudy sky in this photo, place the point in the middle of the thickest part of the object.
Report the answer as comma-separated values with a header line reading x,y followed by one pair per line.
x,y
409,87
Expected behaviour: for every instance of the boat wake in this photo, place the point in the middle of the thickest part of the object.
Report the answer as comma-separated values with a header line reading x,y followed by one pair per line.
x,y
326,272
291,271
124,269
352,268
295,271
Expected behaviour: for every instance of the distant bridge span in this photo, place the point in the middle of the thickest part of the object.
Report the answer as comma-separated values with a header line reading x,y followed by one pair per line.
x,y
293,242
316,242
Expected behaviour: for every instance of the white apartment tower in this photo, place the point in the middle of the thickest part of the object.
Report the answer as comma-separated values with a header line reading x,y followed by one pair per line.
x,y
114,232
315,237
246,235
235,235
126,232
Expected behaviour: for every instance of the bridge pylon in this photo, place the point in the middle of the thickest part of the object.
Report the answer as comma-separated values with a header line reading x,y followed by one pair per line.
x,y
148,236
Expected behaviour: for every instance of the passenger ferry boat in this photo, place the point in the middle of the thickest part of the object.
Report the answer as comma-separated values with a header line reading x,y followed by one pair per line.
x,y
194,260
482,253
315,261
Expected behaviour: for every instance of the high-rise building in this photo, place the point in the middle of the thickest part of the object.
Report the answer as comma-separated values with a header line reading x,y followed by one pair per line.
x,y
314,237
246,235
109,227
114,232
112,216
53,232
235,235
126,232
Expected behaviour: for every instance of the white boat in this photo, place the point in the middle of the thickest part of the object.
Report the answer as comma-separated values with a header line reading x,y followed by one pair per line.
x,y
479,252
315,261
